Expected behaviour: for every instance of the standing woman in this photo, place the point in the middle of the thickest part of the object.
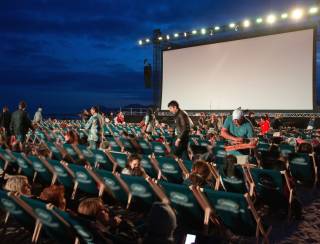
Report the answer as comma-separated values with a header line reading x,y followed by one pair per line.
x,y
94,128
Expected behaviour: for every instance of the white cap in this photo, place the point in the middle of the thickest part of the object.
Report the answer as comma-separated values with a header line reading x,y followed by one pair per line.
x,y
237,114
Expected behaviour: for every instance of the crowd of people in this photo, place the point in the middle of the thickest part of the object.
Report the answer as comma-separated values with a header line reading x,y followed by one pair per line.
x,y
113,224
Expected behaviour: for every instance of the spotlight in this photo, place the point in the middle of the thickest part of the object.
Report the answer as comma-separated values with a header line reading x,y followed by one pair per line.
x,y
284,16
140,42
168,37
246,23
232,25
194,32
259,20
297,14
203,31
313,10
271,19
217,28
185,34
147,40
160,38
176,35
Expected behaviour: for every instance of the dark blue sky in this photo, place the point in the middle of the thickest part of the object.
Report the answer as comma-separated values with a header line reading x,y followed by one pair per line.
x,y
69,54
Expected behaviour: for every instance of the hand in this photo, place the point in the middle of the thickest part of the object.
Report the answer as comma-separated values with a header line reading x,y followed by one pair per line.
x,y
117,219
177,142
238,139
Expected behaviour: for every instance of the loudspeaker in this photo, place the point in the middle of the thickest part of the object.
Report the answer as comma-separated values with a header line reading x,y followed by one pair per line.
x,y
147,76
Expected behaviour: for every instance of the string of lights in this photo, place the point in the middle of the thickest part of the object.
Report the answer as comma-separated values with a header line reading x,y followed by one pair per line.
x,y
293,16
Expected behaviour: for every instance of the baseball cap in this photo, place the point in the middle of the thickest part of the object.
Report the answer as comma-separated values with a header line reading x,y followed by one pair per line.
x,y
237,114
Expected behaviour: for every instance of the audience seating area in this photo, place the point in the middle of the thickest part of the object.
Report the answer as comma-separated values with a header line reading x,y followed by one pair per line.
x,y
232,204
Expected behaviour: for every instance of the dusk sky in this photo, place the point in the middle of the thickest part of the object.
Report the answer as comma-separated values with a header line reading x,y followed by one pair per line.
x,y
65,55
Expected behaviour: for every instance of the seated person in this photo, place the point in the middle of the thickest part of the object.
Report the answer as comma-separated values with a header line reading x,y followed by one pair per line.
x,y
161,224
71,137
200,175
54,194
107,225
133,167
18,184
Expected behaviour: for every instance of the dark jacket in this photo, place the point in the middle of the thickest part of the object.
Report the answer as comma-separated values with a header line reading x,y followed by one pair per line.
x,y
5,118
182,124
20,122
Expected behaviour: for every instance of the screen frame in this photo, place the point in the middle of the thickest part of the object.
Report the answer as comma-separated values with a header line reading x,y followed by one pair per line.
x,y
249,35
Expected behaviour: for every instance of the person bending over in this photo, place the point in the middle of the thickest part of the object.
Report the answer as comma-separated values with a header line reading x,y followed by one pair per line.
x,y
236,128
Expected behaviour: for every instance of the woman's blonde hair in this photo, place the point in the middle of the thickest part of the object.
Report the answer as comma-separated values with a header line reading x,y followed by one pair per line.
x,y
16,183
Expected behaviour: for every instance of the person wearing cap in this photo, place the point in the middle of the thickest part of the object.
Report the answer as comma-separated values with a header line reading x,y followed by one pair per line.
x,y
236,127
37,116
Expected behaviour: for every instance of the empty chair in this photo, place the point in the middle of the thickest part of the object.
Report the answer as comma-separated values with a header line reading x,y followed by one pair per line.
x,y
286,149
237,213
170,169
190,214
303,168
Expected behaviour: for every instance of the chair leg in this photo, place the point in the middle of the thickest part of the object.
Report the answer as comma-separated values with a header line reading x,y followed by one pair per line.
x,y
5,225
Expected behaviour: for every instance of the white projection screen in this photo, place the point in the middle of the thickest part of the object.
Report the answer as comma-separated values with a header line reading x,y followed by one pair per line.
x,y
273,72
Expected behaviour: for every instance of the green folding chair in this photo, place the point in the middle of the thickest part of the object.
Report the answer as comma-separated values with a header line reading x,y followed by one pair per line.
x,y
237,213
147,165
158,148
190,214
54,150
303,168
81,227
25,166
113,144
220,155
120,190
286,149
170,169
71,151
55,227
43,170
64,176
21,212
143,195
263,147
145,146
84,181
5,159
234,184
127,146
117,158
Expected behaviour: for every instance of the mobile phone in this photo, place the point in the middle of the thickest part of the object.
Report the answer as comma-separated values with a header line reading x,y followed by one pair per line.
x,y
190,239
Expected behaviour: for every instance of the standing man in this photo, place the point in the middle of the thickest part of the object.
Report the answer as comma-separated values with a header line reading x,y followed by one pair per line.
x,y
20,124
182,122
94,128
5,119
37,116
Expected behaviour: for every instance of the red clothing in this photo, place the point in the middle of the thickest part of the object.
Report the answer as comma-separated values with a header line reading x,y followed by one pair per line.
x,y
120,119
264,126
